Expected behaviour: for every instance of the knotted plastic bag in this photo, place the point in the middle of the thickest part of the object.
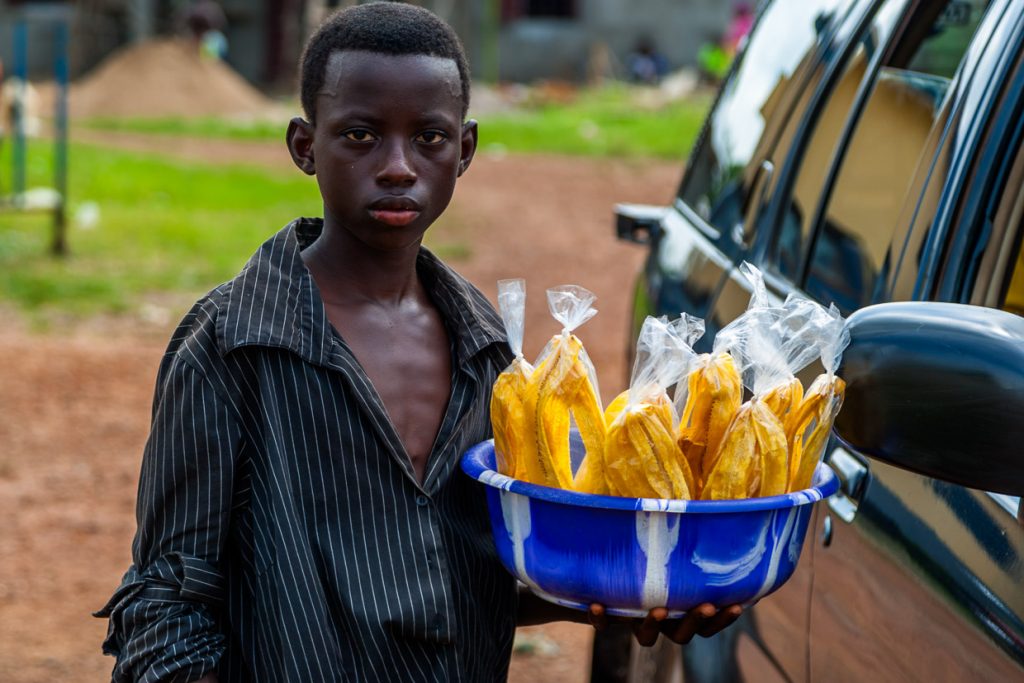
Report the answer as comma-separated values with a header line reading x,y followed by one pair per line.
x,y
563,389
771,344
813,420
642,457
512,425
707,401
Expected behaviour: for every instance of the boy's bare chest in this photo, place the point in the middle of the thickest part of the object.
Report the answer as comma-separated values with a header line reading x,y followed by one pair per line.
x,y
407,358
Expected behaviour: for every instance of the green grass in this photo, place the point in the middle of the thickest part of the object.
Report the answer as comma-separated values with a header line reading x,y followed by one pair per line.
x,y
165,227
175,228
230,129
604,122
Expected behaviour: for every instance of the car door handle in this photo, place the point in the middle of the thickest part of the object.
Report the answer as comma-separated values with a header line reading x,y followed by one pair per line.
x,y
853,480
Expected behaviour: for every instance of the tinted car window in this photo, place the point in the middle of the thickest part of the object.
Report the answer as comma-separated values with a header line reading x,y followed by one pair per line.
x,y
757,96
789,246
1014,299
940,55
904,261
878,165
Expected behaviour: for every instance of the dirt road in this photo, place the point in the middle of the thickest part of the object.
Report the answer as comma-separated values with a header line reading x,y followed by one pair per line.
x,y
74,404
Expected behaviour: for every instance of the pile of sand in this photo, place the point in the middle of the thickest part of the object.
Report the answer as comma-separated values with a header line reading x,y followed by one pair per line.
x,y
163,78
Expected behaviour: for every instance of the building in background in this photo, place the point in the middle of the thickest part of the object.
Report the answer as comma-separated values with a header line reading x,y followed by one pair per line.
x,y
573,39
508,40
264,36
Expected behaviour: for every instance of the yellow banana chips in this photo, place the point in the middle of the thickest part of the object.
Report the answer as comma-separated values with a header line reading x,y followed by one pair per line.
x,y
705,443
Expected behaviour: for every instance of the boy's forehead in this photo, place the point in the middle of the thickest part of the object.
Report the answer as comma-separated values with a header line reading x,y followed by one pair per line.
x,y
342,63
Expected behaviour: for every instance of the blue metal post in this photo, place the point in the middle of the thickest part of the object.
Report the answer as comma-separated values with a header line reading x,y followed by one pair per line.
x,y
21,73
60,142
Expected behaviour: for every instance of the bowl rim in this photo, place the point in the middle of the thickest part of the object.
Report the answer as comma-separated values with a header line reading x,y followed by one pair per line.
x,y
474,463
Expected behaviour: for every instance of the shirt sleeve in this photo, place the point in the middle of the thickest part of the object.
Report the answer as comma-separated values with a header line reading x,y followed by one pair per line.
x,y
162,618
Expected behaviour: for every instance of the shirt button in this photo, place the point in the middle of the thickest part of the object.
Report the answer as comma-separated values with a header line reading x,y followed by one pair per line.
x,y
422,500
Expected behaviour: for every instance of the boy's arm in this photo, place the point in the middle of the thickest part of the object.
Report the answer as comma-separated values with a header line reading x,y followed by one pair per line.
x,y
161,622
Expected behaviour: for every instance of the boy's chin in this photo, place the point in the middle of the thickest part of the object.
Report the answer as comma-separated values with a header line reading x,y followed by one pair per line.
x,y
392,243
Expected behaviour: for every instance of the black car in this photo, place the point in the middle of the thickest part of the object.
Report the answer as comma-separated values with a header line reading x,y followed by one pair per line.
x,y
864,152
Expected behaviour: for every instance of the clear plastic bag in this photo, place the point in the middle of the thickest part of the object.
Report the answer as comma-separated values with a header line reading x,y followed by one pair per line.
x,y
707,401
564,390
642,457
511,424
771,345
812,423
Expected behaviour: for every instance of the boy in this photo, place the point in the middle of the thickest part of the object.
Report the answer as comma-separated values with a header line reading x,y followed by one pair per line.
x,y
300,514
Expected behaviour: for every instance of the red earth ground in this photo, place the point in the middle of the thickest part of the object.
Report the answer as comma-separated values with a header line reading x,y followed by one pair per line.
x,y
74,402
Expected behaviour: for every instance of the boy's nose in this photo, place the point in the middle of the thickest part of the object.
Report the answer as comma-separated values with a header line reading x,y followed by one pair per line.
x,y
397,170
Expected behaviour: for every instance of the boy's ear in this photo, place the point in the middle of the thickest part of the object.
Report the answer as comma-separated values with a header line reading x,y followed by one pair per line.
x,y
469,137
300,144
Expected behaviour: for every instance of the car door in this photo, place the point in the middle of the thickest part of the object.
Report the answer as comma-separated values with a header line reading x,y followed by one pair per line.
x,y
834,224
908,564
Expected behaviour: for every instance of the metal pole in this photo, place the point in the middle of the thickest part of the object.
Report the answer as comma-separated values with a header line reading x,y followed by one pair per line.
x,y
491,19
18,110
60,142
141,20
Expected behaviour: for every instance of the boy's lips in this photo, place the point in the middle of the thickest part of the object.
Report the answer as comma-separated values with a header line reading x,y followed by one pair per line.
x,y
392,217
395,210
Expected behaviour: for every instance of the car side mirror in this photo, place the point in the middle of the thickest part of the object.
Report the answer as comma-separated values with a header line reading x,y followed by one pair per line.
x,y
638,223
938,389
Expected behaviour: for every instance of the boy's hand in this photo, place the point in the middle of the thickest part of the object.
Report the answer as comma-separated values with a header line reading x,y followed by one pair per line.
x,y
703,620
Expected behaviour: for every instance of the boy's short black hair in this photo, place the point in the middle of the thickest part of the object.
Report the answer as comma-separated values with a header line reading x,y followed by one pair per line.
x,y
391,28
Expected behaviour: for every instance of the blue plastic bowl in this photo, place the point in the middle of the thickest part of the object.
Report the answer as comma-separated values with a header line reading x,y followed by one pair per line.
x,y
634,554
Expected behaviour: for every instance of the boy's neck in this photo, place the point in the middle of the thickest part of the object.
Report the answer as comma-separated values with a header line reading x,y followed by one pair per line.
x,y
348,273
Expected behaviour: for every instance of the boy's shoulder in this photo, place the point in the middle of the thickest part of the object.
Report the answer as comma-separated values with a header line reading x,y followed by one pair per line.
x,y
267,304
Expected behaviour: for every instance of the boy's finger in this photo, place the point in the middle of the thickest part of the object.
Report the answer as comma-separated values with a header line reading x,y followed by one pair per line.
x,y
596,616
691,624
724,618
647,631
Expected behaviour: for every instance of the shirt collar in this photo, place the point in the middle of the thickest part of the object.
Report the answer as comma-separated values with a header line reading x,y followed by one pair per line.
x,y
273,302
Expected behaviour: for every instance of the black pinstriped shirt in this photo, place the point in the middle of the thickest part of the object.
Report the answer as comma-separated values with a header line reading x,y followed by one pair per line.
x,y
282,535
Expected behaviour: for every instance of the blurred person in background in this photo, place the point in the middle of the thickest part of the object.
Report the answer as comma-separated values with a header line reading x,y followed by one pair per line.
x,y
646,64
740,25
715,56
206,23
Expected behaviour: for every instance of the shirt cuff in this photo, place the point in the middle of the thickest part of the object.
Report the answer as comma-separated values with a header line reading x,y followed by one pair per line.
x,y
161,628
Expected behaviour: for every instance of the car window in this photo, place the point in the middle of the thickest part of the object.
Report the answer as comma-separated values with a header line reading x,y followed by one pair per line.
x,y
854,231
788,248
1000,281
752,106
1014,300
941,53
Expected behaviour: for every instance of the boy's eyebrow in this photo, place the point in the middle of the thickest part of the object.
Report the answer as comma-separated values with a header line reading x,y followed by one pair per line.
x,y
368,117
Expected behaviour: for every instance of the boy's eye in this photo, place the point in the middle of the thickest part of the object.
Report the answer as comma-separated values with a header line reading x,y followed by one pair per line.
x,y
358,135
431,137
